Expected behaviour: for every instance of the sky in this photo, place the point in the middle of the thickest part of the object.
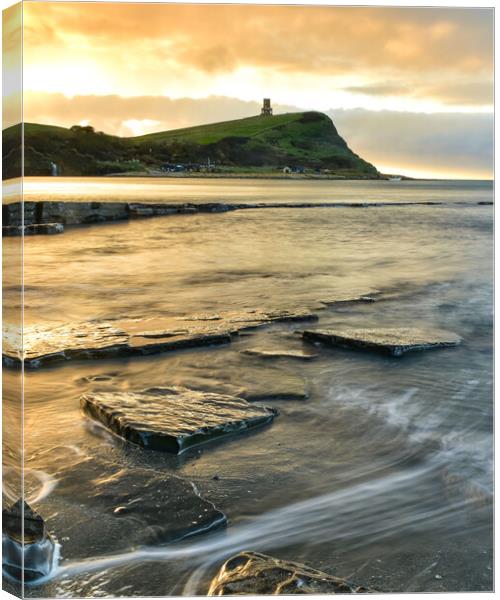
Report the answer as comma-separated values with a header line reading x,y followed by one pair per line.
x,y
410,89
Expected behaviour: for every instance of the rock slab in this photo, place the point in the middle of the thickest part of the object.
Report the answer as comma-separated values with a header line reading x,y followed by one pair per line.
x,y
392,341
153,509
31,546
40,228
271,353
258,574
45,344
174,419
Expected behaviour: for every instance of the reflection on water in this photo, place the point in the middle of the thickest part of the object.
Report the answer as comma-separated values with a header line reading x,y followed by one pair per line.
x,y
384,472
168,189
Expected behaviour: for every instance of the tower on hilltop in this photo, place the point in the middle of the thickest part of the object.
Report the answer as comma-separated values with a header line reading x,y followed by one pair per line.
x,y
266,107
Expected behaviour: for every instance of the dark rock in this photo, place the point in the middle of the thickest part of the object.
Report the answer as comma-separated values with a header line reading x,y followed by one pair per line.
x,y
241,322
174,419
257,574
171,341
34,525
33,547
119,507
392,341
89,219
153,508
33,229
348,300
280,393
163,334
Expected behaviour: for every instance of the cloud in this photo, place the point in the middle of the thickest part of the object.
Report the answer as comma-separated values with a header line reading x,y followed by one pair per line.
x,y
113,114
145,49
457,144
12,65
468,92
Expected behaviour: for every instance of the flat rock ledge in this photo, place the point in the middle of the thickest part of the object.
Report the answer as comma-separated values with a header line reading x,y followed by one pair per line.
x,y
45,344
271,353
174,419
392,341
253,573
38,214
39,228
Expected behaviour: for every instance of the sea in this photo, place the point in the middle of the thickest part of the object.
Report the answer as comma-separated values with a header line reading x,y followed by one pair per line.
x,y
382,474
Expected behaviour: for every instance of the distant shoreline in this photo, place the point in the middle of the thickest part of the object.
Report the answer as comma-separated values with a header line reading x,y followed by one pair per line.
x,y
269,176
281,176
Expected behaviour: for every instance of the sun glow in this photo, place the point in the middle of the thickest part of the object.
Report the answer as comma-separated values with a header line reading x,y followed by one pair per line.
x,y
134,69
70,78
140,127
432,173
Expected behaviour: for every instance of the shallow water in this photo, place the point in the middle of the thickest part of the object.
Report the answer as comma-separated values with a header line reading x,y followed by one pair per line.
x,y
384,473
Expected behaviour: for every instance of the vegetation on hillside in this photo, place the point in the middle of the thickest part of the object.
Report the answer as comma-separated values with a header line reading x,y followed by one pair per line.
x,y
307,140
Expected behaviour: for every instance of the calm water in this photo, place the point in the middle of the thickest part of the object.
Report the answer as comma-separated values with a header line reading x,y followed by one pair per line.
x,y
141,189
383,474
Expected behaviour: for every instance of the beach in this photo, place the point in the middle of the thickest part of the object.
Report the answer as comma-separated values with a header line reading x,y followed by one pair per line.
x,y
371,467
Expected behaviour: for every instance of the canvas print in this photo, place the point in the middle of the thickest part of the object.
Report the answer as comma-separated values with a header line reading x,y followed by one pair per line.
x,y
247,299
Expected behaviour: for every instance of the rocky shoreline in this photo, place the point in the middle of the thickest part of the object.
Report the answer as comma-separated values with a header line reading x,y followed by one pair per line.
x,y
163,508
50,217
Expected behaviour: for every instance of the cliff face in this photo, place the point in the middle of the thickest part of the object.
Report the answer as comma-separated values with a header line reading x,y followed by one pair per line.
x,y
308,140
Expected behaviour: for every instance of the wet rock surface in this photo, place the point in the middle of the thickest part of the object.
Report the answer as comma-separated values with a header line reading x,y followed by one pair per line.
x,y
392,341
149,508
38,214
234,374
347,300
25,538
40,228
270,353
101,506
45,344
254,573
174,419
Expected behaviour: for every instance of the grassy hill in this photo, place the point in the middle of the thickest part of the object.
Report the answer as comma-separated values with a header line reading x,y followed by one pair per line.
x,y
307,140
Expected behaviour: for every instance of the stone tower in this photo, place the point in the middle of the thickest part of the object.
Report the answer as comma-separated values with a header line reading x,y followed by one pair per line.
x,y
266,107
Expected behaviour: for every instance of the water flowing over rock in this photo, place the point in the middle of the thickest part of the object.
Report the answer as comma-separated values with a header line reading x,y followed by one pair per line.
x,y
25,538
392,341
270,353
174,419
254,573
151,508
46,344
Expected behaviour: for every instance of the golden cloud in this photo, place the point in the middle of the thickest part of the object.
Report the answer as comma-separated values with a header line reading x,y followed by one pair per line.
x,y
144,47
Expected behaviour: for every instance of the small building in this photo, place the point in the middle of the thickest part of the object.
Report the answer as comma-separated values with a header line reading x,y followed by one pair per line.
x,y
266,109
287,170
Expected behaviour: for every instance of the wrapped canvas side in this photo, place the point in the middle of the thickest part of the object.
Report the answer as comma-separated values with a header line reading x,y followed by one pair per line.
x,y
12,307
